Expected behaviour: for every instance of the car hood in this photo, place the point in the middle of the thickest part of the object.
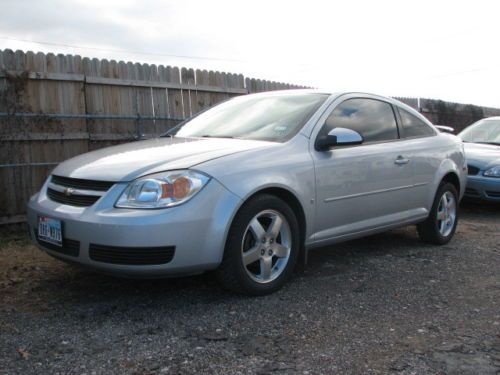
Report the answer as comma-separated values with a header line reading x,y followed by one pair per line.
x,y
131,160
482,155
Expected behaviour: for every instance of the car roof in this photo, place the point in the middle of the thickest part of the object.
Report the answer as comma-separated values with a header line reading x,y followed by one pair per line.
x,y
337,94
330,93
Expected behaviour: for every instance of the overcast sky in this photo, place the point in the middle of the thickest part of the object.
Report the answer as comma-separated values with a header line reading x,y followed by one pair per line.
x,y
437,49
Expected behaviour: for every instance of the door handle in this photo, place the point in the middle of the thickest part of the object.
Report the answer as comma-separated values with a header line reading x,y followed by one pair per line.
x,y
400,160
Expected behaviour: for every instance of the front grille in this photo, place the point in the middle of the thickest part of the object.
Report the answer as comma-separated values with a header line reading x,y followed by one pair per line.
x,y
73,199
69,247
472,171
131,255
77,183
471,192
493,194
76,198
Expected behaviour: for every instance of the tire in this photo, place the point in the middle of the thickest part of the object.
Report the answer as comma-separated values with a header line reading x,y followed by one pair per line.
x,y
440,226
262,247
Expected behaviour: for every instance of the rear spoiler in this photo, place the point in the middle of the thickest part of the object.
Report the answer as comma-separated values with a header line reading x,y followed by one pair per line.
x,y
445,129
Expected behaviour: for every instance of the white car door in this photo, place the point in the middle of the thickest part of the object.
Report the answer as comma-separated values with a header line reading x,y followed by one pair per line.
x,y
425,152
359,188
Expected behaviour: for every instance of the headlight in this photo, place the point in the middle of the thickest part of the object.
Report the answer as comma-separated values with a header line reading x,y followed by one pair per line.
x,y
493,172
162,190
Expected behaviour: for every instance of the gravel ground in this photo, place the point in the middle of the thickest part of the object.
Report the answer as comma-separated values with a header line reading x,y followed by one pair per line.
x,y
383,304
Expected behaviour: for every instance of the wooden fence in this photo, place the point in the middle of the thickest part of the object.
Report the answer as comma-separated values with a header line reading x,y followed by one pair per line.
x,y
53,107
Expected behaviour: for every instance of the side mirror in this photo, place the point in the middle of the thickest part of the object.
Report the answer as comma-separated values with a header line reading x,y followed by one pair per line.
x,y
338,137
445,129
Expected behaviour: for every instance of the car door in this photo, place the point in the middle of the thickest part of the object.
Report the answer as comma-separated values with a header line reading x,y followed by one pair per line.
x,y
359,188
425,152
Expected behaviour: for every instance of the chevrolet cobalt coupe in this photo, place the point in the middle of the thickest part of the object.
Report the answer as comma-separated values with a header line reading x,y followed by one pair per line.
x,y
247,187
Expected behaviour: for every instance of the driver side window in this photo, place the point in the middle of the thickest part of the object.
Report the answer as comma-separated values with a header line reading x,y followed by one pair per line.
x,y
373,119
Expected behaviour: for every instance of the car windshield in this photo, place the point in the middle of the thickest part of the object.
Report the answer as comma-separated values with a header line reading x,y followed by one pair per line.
x,y
483,131
275,118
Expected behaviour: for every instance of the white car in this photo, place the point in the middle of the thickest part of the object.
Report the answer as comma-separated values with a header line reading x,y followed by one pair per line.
x,y
247,185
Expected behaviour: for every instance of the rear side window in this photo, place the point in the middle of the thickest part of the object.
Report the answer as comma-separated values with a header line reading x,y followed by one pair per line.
x,y
371,118
413,126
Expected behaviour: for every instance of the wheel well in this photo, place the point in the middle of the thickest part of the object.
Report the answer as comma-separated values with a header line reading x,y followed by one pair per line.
x,y
452,178
294,204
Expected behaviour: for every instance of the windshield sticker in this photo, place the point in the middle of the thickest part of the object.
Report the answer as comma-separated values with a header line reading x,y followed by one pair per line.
x,y
280,129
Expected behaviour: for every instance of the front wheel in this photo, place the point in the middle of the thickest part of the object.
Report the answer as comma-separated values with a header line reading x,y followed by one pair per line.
x,y
441,224
262,247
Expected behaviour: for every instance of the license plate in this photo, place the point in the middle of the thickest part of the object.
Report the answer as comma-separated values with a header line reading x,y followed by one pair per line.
x,y
49,230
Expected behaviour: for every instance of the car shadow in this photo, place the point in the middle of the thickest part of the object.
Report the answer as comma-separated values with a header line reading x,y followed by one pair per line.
x,y
402,242
78,286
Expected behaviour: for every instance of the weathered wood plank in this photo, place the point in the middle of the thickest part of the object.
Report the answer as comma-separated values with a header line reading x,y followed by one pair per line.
x,y
20,60
202,98
175,102
16,219
187,78
9,61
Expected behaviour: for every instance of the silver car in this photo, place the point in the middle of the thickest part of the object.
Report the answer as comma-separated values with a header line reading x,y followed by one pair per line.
x,y
482,150
247,187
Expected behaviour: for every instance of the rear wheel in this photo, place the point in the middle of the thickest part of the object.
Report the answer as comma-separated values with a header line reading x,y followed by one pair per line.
x,y
441,224
262,247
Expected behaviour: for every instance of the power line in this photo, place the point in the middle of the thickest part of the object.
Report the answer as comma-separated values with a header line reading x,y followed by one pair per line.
x,y
121,50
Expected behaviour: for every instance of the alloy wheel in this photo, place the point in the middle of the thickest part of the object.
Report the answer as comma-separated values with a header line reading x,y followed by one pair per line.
x,y
446,213
266,246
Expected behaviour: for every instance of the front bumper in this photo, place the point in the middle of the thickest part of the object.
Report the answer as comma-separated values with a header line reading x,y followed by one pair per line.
x,y
484,188
197,229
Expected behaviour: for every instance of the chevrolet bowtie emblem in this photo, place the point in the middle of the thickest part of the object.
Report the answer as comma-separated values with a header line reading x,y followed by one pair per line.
x,y
68,191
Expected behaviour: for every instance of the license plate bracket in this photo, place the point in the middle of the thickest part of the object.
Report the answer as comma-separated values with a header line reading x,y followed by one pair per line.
x,y
50,230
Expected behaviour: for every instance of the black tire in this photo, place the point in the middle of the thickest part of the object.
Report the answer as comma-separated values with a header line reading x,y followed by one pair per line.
x,y
232,273
428,230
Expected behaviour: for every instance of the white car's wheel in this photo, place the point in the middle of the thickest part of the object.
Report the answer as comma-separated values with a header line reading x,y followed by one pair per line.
x,y
262,247
441,224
